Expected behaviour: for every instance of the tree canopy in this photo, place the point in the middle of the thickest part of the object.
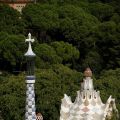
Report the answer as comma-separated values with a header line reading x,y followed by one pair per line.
x,y
70,35
51,84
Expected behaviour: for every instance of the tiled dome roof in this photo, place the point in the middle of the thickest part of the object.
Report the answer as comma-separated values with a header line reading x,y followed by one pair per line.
x,y
88,72
39,116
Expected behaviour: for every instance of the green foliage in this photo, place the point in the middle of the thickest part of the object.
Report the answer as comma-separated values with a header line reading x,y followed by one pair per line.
x,y
12,48
10,21
56,53
71,34
94,61
12,97
51,84
46,55
75,26
40,16
108,43
115,18
108,84
102,11
66,51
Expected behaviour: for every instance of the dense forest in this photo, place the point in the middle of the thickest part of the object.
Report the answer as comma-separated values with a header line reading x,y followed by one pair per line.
x,y
70,35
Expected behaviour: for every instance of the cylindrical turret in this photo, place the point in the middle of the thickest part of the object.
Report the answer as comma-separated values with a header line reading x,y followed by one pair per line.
x,y
88,82
30,80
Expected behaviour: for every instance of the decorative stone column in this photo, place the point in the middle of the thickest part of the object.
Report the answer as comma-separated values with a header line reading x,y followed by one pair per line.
x,y
30,81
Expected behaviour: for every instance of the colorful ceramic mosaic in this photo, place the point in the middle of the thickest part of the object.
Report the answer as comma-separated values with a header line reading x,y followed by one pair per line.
x,y
88,104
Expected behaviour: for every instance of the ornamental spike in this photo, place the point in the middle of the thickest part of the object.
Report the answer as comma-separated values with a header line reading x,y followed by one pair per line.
x,y
29,51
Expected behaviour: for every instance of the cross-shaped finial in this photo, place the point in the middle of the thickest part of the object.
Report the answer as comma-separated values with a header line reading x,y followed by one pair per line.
x,y
29,52
29,38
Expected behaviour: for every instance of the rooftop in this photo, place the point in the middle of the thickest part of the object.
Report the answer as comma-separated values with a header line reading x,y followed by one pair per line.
x,y
16,1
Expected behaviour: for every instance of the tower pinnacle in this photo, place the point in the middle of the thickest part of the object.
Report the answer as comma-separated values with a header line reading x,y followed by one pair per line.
x,y
88,72
29,52
87,82
30,80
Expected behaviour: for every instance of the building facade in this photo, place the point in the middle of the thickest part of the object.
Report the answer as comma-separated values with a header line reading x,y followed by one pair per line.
x,y
88,104
17,4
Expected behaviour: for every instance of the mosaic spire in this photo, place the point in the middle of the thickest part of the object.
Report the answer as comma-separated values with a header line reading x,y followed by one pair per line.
x,y
30,80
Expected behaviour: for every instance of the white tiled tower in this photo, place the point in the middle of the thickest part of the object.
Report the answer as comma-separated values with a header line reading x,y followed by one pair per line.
x,y
88,104
30,80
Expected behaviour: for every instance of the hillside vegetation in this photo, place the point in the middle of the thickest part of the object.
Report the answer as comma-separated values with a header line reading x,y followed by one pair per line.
x,y
70,35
